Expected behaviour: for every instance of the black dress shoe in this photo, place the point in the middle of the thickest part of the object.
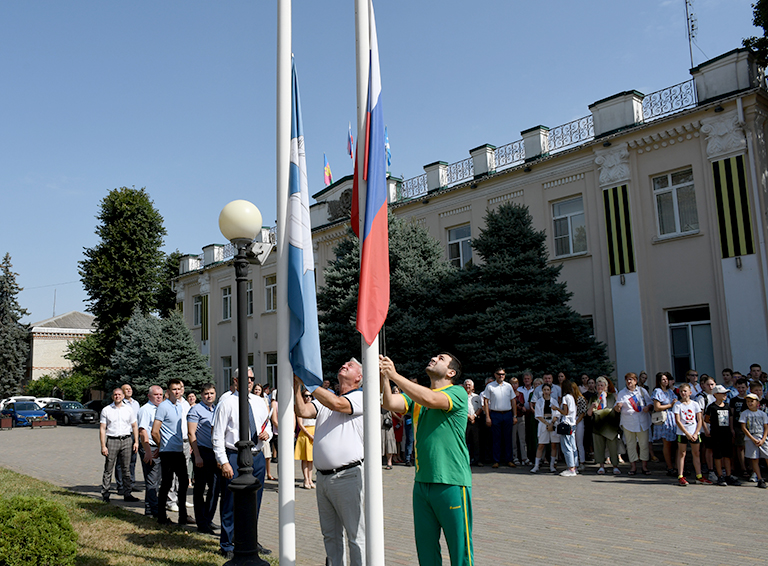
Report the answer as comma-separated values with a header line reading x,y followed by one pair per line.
x,y
164,521
131,498
261,550
187,521
105,498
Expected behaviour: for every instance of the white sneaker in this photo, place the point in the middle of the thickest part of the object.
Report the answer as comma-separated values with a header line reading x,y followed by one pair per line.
x,y
535,470
568,473
189,505
753,478
713,477
172,507
616,472
552,469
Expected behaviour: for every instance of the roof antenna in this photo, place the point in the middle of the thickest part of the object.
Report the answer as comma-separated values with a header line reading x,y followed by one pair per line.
x,y
54,303
692,27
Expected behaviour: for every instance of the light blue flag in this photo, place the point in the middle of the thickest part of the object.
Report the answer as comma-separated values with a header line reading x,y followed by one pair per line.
x,y
304,333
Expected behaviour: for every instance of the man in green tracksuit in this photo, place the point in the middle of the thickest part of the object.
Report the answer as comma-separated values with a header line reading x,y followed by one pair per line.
x,y
442,491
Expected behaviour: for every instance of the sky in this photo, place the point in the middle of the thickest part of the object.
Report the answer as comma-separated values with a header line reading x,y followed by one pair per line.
x,y
178,97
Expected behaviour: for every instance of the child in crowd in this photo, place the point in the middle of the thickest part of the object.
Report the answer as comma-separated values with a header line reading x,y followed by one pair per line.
x,y
718,417
705,398
688,419
738,404
757,388
754,424
547,422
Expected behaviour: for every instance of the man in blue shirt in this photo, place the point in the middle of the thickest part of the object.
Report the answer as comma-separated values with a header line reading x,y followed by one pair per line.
x,y
200,426
167,434
148,450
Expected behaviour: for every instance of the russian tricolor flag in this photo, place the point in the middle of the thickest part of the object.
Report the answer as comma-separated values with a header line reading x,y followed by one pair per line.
x,y
304,333
373,297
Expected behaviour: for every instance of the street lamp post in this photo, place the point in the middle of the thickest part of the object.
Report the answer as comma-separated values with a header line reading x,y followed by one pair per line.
x,y
240,222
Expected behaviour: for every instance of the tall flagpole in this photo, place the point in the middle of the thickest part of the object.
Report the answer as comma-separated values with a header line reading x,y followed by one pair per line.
x,y
374,493
285,413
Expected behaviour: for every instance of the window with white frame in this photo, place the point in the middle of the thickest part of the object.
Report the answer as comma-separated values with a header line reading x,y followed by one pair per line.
x,y
226,303
249,298
270,293
226,369
271,367
675,203
197,310
459,247
570,229
690,338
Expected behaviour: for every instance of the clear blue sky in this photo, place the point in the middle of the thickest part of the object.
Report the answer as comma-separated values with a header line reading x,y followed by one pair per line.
x,y
179,97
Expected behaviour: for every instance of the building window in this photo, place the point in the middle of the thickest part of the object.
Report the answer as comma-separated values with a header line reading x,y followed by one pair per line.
x,y
459,248
690,338
675,203
270,293
226,303
226,369
249,298
569,227
197,310
271,373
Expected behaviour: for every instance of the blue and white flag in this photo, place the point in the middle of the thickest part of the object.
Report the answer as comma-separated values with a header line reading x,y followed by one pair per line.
x,y
304,333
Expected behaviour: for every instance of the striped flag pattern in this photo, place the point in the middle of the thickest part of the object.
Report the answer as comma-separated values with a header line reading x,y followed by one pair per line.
x,y
618,227
732,198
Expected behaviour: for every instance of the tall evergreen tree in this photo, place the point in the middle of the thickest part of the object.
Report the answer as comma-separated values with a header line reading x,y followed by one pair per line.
x,y
14,347
414,327
511,310
151,351
122,272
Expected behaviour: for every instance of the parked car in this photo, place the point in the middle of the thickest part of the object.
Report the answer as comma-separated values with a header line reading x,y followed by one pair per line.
x,y
22,411
70,412
16,398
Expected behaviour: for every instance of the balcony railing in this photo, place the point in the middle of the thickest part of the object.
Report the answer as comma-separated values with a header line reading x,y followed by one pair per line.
x,y
669,100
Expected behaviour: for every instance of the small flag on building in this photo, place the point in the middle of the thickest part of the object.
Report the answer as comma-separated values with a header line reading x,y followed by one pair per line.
x,y
327,172
386,146
350,142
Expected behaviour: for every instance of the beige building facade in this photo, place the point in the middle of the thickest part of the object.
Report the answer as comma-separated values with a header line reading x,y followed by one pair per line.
x,y
653,204
50,338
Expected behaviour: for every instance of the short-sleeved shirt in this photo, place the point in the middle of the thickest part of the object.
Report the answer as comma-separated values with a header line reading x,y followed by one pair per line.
x,y
339,436
119,420
203,416
738,404
755,421
719,421
475,403
146,419
439,439
170,416
570,418
687,412
499,396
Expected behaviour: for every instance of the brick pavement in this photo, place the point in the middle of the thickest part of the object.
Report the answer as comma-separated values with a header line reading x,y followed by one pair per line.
x,y
519,518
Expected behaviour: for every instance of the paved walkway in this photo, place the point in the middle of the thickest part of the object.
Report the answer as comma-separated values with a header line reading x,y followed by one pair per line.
x,y
519,518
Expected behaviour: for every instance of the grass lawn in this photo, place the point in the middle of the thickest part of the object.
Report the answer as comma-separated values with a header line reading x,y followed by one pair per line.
x,y
109,535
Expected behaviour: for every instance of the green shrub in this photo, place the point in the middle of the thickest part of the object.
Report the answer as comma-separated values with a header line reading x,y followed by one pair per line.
x,y
35,532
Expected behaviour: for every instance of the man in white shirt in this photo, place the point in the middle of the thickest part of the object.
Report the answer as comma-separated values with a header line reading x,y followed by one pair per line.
x,y
474,422
135,405
500,415
119,436
338,455
225,436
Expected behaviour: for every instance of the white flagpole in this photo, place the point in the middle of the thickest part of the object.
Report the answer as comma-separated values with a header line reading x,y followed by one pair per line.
x,y
374,493
285,466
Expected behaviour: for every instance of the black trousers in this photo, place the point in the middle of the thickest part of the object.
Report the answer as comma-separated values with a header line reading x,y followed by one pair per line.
x,y
173,463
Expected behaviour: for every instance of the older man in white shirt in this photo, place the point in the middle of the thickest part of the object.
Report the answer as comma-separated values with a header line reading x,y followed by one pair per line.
x,y
226,434
133,404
